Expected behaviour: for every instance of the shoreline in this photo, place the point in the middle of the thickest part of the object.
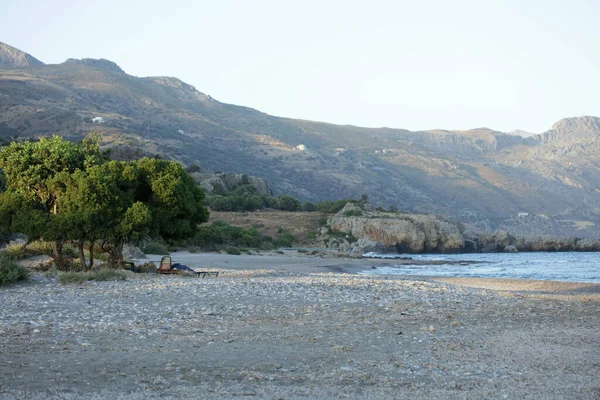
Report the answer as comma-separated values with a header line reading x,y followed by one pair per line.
x,y
298,262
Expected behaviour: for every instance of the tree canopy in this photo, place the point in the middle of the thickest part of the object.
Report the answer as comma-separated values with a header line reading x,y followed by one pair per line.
x,y
59,190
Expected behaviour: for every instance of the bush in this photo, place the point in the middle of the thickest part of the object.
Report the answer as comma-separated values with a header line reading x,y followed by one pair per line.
x,y
100,275
14,253
11,272
332,207
146,268
308,206
353,213
156,248
233,251
288,203
284,240
220,235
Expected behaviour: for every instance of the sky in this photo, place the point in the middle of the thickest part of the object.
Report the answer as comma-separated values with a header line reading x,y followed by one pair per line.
x,y
415,65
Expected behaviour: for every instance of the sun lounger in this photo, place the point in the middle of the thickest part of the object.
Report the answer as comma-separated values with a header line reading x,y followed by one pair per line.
x,y
166,267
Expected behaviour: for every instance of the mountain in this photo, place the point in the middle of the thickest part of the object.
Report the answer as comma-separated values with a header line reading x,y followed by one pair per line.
x,y
520,132
480,176
15,58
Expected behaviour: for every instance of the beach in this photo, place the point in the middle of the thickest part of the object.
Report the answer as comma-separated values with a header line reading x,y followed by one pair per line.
x,y
295,326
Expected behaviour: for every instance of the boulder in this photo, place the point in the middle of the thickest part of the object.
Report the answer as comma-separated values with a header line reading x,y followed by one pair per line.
x,y
511,249
339,244
131,252
16,239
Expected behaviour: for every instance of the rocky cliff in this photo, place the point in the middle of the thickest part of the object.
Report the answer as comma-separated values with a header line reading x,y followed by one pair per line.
x,y
404,233
360,230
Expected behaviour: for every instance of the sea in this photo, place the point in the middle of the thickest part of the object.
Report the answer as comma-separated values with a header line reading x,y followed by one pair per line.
x,y
567,266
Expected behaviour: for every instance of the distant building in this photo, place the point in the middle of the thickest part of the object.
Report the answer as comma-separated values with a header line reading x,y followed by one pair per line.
x,y
522,214
301,147
181,131
98,120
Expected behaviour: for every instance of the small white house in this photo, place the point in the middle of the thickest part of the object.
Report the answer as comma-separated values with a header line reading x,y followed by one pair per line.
x,y
522,215
98,120
301,147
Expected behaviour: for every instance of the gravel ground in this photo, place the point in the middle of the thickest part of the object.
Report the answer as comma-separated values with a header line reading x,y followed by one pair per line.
x,y
296,331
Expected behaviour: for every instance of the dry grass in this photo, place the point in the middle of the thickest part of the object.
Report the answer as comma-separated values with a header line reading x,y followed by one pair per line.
x,y
271,223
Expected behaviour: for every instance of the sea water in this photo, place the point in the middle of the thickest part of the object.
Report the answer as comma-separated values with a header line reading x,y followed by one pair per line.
x,y
568,266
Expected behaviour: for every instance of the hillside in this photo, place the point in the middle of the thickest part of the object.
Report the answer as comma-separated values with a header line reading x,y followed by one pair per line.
x,y
480,176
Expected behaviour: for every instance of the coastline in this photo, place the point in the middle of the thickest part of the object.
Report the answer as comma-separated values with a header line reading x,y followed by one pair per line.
x,y
298,262
287,326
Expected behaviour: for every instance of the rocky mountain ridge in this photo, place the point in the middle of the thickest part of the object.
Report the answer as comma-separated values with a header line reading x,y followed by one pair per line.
x,y
11,57
480,176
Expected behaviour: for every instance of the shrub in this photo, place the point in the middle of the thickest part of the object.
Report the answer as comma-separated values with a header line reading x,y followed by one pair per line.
x,y
156,248
353,213
11,272
233,251
145,268
70,251
308,206
104,274
284,240
332,207
14,253
288,203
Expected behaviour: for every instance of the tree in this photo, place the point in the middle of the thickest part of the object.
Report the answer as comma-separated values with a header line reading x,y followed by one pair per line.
x,y
173,198
288,203
59,191
34,171
308,206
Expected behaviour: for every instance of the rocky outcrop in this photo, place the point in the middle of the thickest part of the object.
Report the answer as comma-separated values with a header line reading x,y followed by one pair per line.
x,y
223,183
404,233
95,63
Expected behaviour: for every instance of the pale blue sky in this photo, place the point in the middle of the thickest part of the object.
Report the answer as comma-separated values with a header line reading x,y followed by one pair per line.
x,y
405,64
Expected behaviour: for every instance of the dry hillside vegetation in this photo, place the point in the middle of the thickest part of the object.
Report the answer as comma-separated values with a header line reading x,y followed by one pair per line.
x,y
272,223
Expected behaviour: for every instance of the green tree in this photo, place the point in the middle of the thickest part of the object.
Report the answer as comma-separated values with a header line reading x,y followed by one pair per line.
x,y
59,191
288,203
33,171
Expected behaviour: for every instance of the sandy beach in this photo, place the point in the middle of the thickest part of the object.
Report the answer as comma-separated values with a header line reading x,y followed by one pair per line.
x,y
292,327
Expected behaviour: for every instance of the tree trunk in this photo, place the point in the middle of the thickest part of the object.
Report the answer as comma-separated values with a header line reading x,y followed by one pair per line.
x,y
91,265
81,253
25,244
115,254
57,255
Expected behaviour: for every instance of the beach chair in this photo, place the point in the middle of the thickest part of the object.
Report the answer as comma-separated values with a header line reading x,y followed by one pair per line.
x,y
208,274
165,266
129,266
